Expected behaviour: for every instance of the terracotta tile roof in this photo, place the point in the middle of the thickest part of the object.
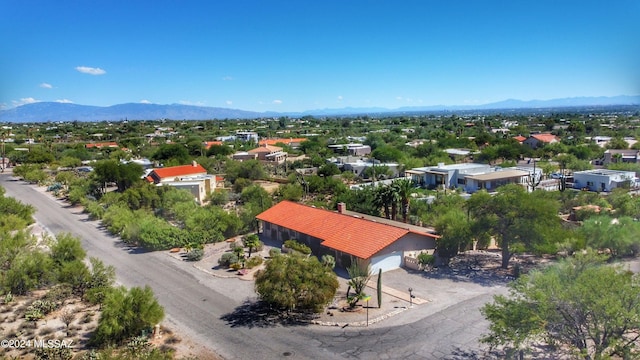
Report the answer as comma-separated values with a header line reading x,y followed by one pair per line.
x,y
283,141
265,148
149,179
520,138
182,170
546,138
348,234
101,145
209,144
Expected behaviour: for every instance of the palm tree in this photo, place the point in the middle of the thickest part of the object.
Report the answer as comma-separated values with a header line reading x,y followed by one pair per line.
x,y
404,189
382,200
394,198
252,242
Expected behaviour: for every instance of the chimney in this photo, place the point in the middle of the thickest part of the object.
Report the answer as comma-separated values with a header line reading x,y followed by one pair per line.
x,y
342,208
440,165
194,163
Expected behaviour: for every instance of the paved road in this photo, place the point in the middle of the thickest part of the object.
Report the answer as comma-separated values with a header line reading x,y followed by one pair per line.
x,y
196,304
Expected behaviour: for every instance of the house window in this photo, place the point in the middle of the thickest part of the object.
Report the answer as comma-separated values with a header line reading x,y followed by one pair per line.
x,y
589,183
462,181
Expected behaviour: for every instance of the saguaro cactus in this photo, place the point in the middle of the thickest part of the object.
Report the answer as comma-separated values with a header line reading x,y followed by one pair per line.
x,y
379,288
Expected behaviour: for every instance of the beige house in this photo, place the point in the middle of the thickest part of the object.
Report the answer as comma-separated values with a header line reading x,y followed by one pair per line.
x,y
193,178
269,153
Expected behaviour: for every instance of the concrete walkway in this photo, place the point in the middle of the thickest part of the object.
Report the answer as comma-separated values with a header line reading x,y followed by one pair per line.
x,y
402,295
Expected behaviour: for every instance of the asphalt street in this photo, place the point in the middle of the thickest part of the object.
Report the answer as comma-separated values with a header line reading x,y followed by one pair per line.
x,y
200,306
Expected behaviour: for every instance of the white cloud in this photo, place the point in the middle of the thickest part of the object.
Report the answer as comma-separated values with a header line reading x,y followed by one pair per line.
x,y
339,97
46,86
24,101
90,70
145,101
64,101
399,98
277,101
227,78
228,102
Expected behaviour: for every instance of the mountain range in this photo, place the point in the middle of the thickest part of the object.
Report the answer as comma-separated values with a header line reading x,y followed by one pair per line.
x,y
53,111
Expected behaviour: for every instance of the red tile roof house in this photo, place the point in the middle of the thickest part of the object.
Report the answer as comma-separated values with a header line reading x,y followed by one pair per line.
x,y
101,145
269,153
539,140
190,177
345,237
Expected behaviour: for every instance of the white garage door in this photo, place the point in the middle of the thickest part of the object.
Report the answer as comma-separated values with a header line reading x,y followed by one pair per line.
x,y
386,262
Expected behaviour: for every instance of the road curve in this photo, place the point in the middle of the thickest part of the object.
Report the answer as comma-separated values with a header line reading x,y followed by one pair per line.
x,y
196,302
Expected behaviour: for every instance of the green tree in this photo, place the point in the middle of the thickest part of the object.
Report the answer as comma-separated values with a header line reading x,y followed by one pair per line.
x,y
252,242
294,282
359,276
404,188
455,233
126,314
67,248
617,143
101,280
29,271
387,154
172,154
517,219
579,304
619,235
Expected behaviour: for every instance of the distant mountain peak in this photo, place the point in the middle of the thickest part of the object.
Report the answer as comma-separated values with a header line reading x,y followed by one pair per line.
x,y
56,111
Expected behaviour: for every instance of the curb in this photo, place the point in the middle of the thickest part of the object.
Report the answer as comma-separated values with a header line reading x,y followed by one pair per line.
x,y
360,323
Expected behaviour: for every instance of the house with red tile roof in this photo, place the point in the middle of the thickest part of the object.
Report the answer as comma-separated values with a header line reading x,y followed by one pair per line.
x,y
208,144
346,236
111,144
269,153
538,140
193,178
293,142
520,138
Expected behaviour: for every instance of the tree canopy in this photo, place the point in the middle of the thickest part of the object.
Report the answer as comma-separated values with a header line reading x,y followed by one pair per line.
x,y
296,282
517,219
581,304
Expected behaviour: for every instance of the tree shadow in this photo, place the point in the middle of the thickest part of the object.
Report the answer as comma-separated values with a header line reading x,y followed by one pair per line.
x,y
259,314
473,354
487,278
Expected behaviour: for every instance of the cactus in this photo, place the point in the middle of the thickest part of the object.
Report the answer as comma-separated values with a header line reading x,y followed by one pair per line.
x,y
379,288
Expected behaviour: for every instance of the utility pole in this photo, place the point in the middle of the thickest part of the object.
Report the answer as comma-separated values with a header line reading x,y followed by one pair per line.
x,y
2,168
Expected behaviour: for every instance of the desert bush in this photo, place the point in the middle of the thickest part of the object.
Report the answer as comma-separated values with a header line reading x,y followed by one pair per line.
x,y
425,259
273,252
195,255
294,245
227,259
253,262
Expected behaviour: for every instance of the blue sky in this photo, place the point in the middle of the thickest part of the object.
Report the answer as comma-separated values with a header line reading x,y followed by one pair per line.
x,y
264,55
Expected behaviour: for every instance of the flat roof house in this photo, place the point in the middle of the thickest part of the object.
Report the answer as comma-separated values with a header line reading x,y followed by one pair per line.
x,y
345,236
492,180
620,156
449,176
472,177
603,179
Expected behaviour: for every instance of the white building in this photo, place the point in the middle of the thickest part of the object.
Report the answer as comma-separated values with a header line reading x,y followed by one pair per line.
x,y
603,179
